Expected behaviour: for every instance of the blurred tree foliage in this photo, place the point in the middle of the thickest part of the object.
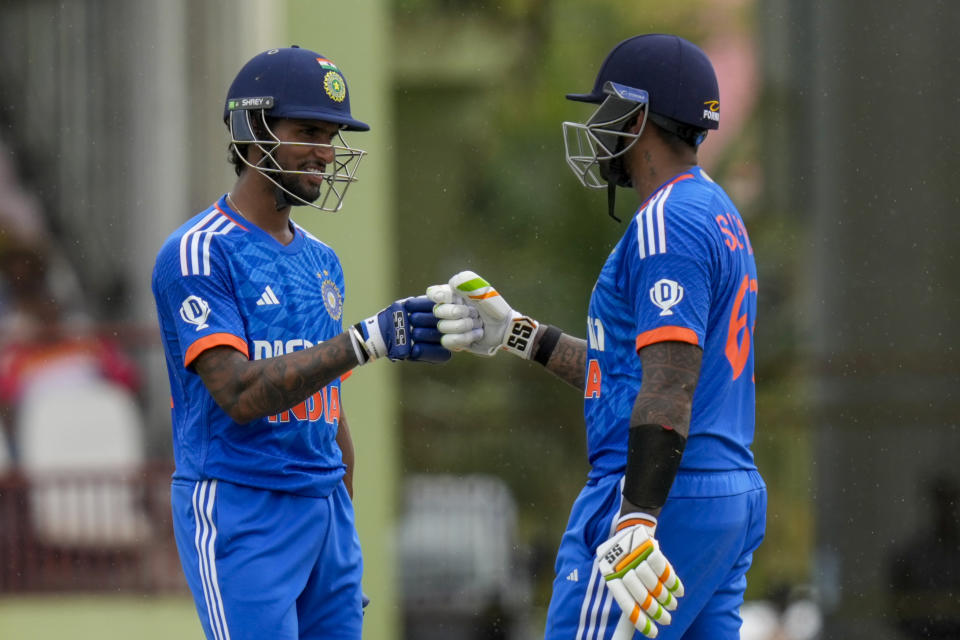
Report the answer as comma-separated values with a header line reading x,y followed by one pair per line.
x,y
483,185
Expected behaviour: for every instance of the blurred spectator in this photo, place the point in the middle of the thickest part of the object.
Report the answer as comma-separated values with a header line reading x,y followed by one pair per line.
x,y
43,338
790,613
925,569
40,345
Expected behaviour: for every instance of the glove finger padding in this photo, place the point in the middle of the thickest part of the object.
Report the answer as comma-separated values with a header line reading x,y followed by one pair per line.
x,y
462,341
425,334
644,596
440,293
459,322
666,576
423,320
641,621
639,575
455,311
429,352
425,337
460,325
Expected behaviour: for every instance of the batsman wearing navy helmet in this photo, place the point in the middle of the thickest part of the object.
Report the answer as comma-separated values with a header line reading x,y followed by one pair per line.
x,y
250,308
660,539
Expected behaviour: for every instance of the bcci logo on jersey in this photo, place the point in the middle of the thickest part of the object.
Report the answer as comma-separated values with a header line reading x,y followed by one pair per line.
x,y
332,298
665,294
195,310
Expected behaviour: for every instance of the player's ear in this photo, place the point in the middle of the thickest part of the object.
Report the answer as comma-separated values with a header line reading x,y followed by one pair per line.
x,y
636,122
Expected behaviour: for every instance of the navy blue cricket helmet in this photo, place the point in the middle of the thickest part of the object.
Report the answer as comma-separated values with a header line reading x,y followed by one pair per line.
x,y
659,77
293,83
676,74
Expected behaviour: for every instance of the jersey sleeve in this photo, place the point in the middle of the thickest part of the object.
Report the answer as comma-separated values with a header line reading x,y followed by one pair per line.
x,y
203,308
671,288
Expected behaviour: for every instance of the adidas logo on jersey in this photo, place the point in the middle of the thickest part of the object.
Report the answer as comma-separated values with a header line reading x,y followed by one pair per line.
x,y
268,297
573,576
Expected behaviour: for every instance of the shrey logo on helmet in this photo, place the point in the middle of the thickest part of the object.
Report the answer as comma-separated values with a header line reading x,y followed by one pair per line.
x,y
293,83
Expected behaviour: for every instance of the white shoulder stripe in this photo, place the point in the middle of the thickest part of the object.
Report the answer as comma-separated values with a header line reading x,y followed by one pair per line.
x,y
661,225
651,228
185,240
195,244
206,245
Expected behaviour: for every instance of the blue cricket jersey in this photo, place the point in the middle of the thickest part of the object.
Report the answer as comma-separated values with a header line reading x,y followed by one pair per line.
x,y
220,280
683,271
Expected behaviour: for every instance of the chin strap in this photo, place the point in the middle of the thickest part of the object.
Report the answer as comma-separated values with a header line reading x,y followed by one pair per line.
x,y
612,200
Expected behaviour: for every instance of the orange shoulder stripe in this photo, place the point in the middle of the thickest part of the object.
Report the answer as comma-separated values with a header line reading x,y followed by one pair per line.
x,y
214,340
667,334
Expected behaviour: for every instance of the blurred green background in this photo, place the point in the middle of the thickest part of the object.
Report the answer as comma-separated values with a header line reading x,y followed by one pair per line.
x,y
836,144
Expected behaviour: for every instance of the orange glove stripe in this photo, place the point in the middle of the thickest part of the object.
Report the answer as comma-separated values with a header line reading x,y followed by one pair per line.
x,y
633,555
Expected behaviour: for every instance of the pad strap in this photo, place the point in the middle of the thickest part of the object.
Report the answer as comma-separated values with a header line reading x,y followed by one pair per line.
x,y
653,457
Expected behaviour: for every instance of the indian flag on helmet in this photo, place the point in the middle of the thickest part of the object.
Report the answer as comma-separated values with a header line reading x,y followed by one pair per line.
x,y
326,64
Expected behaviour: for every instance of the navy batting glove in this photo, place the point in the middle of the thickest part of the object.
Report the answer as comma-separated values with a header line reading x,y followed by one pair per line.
x,y
423,327
395,334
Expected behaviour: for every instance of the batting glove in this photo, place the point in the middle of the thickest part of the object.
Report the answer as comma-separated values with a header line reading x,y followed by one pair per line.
x,y
638,575
406,330
474,317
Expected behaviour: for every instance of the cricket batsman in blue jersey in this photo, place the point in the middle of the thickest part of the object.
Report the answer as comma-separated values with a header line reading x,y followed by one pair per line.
x,y
250,308
660,539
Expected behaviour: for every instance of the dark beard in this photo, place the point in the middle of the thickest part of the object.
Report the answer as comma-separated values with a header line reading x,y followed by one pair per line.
x,y
293,183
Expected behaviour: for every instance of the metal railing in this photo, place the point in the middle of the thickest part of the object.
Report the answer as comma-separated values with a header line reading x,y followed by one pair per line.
x,y
88,531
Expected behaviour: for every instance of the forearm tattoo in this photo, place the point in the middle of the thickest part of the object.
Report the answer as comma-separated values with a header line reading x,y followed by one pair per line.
x,y
569,361
670,373
251,389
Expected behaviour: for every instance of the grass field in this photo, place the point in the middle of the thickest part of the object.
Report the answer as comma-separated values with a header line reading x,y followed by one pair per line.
x,y
118,617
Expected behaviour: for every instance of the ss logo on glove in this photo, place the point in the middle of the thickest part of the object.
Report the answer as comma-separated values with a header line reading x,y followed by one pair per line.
x,y
520,334
613,554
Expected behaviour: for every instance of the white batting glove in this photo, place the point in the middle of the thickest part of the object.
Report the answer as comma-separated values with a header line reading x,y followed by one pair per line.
x,y
458,322
638,575
474,317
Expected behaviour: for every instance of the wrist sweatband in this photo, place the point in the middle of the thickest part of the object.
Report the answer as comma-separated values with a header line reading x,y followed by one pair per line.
x,y
547,344
359,348
653,457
